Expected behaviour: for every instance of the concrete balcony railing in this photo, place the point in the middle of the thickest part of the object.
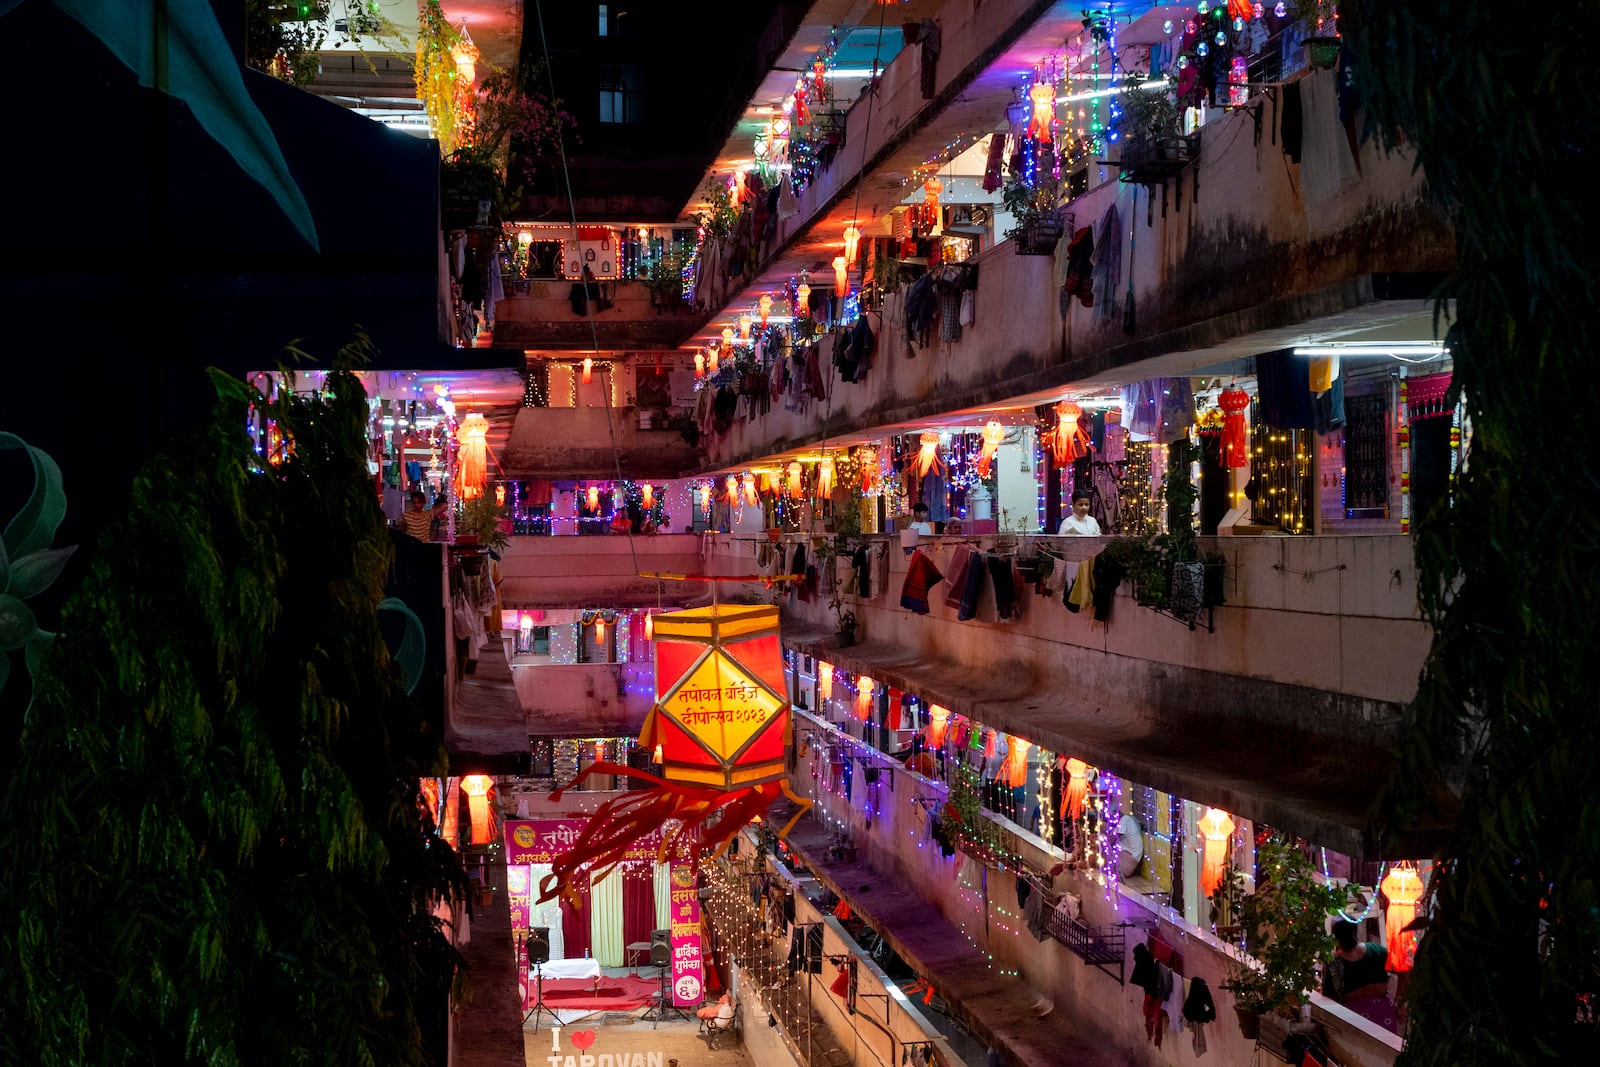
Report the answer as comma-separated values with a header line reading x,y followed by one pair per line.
x,y
576,443
594,572
1286,713
627,317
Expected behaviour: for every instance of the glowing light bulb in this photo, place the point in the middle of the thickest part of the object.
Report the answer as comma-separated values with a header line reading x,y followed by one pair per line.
x,y
1221,38
1166,27
1202,7
1281,10
1202,50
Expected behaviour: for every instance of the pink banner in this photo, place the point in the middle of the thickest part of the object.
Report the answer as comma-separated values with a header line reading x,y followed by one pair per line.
x,y
688,968
543,840
521,901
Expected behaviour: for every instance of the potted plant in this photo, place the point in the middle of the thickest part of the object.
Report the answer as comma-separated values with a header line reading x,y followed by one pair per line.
x,y
847,626
1149,125
1284,926
481,523
664,278
1034,207
1316,21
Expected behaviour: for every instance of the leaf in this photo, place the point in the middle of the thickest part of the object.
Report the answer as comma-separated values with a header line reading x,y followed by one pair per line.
x,y
33,527
33,573
195,64
17,623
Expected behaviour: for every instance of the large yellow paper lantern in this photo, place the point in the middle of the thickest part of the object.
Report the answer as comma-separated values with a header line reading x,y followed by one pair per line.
x,y
1403,888
852,245
1216,828
477,787
802,297
473,437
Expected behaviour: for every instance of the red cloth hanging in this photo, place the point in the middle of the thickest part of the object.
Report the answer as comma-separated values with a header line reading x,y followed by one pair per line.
x,y
638,903
575,936
1235,439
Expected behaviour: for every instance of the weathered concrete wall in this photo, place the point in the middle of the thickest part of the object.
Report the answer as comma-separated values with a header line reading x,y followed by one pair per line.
x,y
595,572
571,442
1258,244
601,699
543,318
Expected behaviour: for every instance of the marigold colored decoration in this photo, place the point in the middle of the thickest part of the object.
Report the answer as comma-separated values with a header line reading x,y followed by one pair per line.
x,y
1077,787
928,454
1069,440
1216,826
864,689
841,277
721,725
796,490
825,681
802,298
1403,888
473,437
938,725
993,434
825,478
1235,435
477,787
1014,771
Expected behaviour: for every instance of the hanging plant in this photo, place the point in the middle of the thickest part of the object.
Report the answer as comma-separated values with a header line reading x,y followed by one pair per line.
x,y
436,75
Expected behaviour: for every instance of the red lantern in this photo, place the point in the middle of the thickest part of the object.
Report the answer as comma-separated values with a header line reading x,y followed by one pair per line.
x,y
1068,441
1216,826
864,689
1403,888
721,724
1077,788
841,277
1234,402
477,787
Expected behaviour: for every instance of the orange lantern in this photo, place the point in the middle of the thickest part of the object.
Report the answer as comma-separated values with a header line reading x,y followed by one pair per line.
x,y
852,244
650,635
867,461
599,631
450,820
721,725
1234,403
727,336
477,787
796,490
1241,9
938,725
592,497
993,434
1077,788
647,495
764,307
716,361
1216,826
699,365
1043,96
768,487
1014,771
588,369
525,622
748,484
930,193
825,477
841,280
731,484
802,297
1402,886
744,327
825,681
473,437
864,690
499,496
1068,441
928,454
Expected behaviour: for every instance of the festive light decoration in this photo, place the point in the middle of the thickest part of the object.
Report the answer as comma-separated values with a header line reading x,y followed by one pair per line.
x,y
796,490
699,365
499,496
1068,441
993,434
721,723
928,454
852,244
1403,888
731,484
599,632
1234,403
647,495
1216,826
764,308
1077,788
744,327
938,725
867,461
802,297
1242,9
825,478
747,486
825,681
727,336
525,622
716,361
841,278
473,437
477,787
1014,771
931,188
1043,95
588,369
592,497
864,689
650,635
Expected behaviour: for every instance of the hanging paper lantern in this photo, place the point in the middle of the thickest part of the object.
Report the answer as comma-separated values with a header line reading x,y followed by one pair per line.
x,y
796,491
1043,96
1068,441
819,72
825,477
1402,886
525,622
592,497
721,725
852,243
477,787
993,434
727,336
1014,771
930,193
599,636
499,496
473,437
768,488
1077,789
647,495
928,454
731,484
764,306
938,725
748,483
864,688
802,298
650,635
1235,427
825,681
1216,826
699,365
588,369
867,460
716,361
841,279
744,327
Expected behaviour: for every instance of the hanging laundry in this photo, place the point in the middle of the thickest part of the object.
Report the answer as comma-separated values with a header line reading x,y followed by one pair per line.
x,y
1080,268
921,576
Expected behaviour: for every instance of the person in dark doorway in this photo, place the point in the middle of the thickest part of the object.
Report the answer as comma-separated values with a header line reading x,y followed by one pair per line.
x,y
1357,967
919,519
418,520
1080,522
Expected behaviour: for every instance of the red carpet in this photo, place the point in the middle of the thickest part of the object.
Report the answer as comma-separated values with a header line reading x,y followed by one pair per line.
x,y
603,994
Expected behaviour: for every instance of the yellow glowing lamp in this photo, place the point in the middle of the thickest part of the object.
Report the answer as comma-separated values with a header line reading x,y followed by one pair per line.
x,y
841,277
764,306
588,369
825,681
1403,888
993,434
802,298
852,244
727,335
699,365
715,362
473,437
1216,827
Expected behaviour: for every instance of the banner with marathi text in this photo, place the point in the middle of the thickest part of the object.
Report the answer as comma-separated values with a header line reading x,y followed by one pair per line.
x,y
688,971
541,841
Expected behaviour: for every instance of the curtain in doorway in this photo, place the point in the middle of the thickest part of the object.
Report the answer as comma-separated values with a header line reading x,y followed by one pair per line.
x,y
547,914
575,940
663,896
605,923
638,905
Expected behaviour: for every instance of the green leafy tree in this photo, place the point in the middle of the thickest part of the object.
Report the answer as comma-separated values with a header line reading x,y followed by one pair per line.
x,y
1502,116
213,851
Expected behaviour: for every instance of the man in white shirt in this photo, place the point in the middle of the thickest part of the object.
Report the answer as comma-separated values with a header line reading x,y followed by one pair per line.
x,y
1080,522
919,519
